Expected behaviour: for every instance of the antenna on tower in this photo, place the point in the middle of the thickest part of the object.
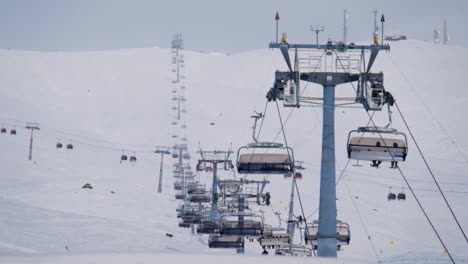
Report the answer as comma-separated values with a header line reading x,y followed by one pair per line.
x,y
277,18
317,32
446,37
345,26
376,27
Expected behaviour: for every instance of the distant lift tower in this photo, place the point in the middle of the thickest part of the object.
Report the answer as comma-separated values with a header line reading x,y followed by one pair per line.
x,y
32,126
214,157
161,150
286,87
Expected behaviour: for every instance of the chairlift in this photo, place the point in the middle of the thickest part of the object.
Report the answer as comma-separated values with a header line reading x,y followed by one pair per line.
x,y
174,70
184,110
298,176
186,156
343,234
178,186
69,146
3,130
184,139
208,169
401,195
222,241
13,132
174,136
123,158
133,158
59,145
199,197
174,123
201,166
174,108
391,196
379,147
250,226
272,238
175,155
296,250
257,159
182,87
209,227
184,126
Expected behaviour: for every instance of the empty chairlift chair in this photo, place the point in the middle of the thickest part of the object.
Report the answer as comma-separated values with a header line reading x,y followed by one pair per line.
x,y
13,132
69,146
59,145
343,234
3,130
223,241
123,157
384,144
265,158
391,195
251,226
401,195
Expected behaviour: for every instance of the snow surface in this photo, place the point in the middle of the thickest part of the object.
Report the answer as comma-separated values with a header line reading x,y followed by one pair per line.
x,y
109,101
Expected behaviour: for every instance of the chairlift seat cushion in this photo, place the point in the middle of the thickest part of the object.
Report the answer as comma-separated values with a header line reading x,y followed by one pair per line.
x,y
369,148
264,163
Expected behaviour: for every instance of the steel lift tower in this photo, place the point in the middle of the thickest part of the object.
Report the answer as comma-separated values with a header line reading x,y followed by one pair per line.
x,y
286,87
161,150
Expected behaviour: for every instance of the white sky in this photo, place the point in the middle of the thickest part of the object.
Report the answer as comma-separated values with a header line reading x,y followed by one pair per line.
x,y
229,26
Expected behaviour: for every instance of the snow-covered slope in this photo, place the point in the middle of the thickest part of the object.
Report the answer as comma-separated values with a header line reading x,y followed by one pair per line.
x,y
109,101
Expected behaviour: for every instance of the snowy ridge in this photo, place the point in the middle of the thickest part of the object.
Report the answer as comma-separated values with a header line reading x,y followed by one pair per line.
x,y
109,101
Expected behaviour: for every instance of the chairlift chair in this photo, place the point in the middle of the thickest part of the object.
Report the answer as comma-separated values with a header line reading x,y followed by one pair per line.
x,y
401,195
133,159
223,241
175,155
379,147
70,146
3,130
186,156
298,176
250,226
13,132
208,169
199,197
295,250
343,234
59,145
123,158
256,159
391,195
209,227
273,238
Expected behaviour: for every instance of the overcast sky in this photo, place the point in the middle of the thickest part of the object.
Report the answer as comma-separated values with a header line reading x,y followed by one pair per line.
x,y
214,25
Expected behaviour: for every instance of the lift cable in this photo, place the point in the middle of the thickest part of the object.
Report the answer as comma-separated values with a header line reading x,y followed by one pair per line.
x,y
407,183
430,171
361,220
430,112
303,214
